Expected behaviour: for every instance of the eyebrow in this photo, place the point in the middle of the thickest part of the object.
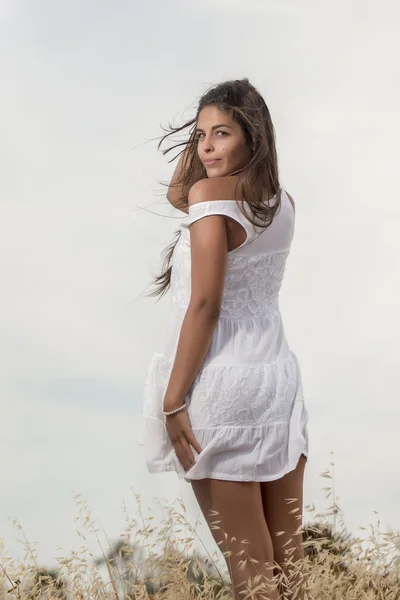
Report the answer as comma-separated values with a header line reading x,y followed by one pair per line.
x,y
216,127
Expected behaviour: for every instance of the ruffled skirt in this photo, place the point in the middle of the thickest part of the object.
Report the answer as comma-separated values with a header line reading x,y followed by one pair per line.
x,y
249,419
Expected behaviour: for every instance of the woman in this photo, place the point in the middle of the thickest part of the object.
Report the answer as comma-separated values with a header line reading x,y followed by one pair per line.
x,y
223,403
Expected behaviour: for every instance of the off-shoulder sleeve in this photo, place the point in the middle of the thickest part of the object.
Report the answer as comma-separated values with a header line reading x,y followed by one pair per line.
x,y
229,208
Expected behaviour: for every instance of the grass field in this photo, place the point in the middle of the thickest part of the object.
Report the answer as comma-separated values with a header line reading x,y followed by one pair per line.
x,y
161,560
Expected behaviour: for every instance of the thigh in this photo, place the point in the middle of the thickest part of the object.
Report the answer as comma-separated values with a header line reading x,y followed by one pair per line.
x,y
283,510
234,512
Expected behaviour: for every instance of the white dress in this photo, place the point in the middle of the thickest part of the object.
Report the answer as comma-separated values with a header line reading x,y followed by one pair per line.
x,y
246,403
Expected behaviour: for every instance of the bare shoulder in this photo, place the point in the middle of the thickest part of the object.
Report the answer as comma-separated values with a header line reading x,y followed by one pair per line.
x,y
291,200
214,188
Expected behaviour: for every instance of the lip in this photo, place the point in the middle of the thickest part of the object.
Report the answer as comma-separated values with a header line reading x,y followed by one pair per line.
x,y
211,162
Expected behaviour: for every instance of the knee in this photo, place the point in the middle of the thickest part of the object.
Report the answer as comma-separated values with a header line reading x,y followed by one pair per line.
x,y
287,547
255,555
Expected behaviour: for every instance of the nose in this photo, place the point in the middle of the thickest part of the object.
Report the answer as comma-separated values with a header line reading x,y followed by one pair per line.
x,y
207,145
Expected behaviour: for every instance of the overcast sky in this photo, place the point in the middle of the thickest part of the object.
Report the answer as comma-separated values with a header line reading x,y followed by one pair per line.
x,y
86,88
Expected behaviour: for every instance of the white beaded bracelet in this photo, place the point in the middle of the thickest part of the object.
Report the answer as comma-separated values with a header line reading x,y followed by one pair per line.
x,y
172,412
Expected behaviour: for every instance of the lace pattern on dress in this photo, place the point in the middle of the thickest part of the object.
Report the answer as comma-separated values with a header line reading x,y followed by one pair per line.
x,y
247,293
241,395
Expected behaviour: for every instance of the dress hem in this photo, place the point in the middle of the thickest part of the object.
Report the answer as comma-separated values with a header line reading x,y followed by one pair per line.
x,y
230,476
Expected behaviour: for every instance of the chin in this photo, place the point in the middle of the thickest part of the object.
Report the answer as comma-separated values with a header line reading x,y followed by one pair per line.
x,y
215,172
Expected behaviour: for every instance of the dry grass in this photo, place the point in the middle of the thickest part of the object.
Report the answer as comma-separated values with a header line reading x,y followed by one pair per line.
x,y
159,561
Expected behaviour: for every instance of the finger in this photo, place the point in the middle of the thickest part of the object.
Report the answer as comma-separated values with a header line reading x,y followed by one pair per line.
x,y
181,454
188,452
192,440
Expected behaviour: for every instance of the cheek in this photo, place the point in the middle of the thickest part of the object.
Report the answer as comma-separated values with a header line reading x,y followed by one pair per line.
x,y
232,152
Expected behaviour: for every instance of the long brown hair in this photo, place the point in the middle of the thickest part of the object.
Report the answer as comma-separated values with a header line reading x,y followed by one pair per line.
x,y
257,181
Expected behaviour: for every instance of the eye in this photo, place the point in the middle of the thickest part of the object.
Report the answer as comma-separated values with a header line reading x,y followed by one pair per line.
x,y
219,131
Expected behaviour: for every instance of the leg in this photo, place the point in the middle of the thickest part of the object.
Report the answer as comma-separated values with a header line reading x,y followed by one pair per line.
x,y
282,515
234,512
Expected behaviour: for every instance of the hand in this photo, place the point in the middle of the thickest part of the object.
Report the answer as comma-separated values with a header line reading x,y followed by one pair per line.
x,y
182,437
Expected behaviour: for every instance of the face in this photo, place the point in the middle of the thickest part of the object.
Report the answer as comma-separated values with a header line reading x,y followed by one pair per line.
x,y
221,139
